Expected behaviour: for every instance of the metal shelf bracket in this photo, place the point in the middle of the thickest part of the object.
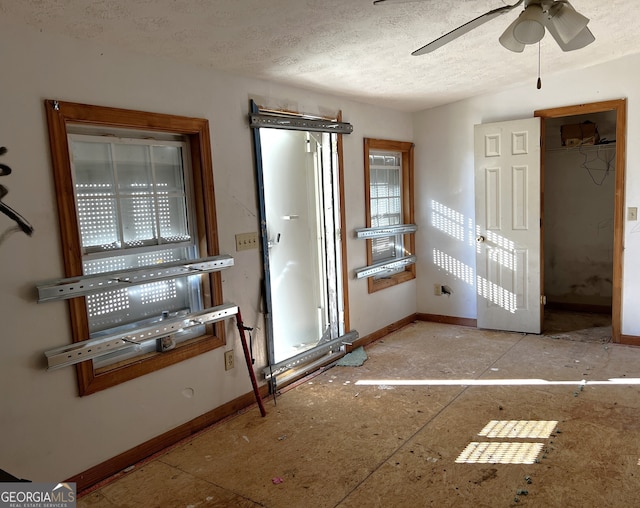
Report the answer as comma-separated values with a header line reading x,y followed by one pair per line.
x,y
93,348
72,287
385,266
382,231
318,351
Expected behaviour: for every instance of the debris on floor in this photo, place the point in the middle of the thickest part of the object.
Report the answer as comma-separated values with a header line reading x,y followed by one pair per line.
x,y
354,359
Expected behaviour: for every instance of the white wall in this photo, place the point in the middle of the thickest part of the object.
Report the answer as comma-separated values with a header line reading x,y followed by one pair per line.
x,y
49,433
444,169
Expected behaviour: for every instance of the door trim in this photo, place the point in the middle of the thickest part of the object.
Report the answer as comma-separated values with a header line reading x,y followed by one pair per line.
x,y
343,228
620,107
266,295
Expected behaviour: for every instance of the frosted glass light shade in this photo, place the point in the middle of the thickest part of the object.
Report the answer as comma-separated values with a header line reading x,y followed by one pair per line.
x,y
584,38
509,41
567,22
530,28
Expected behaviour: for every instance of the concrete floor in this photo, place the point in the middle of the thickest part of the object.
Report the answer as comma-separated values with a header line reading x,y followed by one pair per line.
x,y
332,442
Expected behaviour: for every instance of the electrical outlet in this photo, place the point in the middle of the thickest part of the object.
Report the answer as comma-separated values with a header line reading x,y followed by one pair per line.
x,y
246,241
437,289
228,360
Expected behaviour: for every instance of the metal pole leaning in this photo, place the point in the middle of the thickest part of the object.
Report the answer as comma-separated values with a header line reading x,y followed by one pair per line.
x,y
247,357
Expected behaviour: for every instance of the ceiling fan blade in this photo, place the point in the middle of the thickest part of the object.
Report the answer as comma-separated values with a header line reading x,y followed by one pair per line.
x,y
467,27
584,38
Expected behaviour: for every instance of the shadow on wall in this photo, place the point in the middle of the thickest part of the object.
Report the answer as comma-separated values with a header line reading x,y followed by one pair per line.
x,y
503,252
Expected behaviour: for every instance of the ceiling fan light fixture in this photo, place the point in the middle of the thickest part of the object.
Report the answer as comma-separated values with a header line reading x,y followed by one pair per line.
x,y
567,26
529,27
568,23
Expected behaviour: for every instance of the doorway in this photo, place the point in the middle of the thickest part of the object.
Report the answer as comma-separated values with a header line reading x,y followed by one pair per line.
x,y
583,213
304,291
296,219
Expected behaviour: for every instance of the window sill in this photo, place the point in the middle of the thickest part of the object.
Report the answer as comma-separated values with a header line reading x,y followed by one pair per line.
x,y
111,375
379,284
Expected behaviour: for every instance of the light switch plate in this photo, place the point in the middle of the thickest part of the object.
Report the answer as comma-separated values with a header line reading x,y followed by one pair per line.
x,y
632,213
246,241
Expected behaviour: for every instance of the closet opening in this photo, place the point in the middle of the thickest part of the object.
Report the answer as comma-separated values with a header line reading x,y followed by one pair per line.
x,y
582,213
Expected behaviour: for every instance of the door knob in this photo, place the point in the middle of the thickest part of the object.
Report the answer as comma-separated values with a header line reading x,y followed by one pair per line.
x,y
480,239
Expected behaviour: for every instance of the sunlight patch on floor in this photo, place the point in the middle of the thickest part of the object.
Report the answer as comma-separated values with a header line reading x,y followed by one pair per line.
x,y
492,382
519,429
500,453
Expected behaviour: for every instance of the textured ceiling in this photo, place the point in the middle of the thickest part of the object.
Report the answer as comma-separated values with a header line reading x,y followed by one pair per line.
x,y
344,47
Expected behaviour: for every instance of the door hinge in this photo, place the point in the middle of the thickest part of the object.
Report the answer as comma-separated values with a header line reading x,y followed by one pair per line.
x,y
543,300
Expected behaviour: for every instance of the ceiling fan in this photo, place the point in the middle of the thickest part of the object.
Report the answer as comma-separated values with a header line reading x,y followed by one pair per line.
x,y
567,26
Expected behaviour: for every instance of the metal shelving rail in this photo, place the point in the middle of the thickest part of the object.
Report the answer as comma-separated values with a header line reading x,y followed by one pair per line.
x,y
384,266
74,287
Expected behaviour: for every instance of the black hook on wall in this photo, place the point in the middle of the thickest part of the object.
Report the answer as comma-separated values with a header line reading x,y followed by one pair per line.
x,y
23,224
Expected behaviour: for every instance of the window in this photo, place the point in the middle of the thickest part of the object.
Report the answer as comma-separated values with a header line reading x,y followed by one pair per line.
x,y
389,202
134,190
385,187
133,209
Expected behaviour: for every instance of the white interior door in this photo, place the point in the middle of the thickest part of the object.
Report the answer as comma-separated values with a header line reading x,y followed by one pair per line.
x,y
508,229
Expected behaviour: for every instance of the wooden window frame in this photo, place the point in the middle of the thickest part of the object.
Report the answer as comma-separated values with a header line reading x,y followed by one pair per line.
x,y
406,148
62,115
